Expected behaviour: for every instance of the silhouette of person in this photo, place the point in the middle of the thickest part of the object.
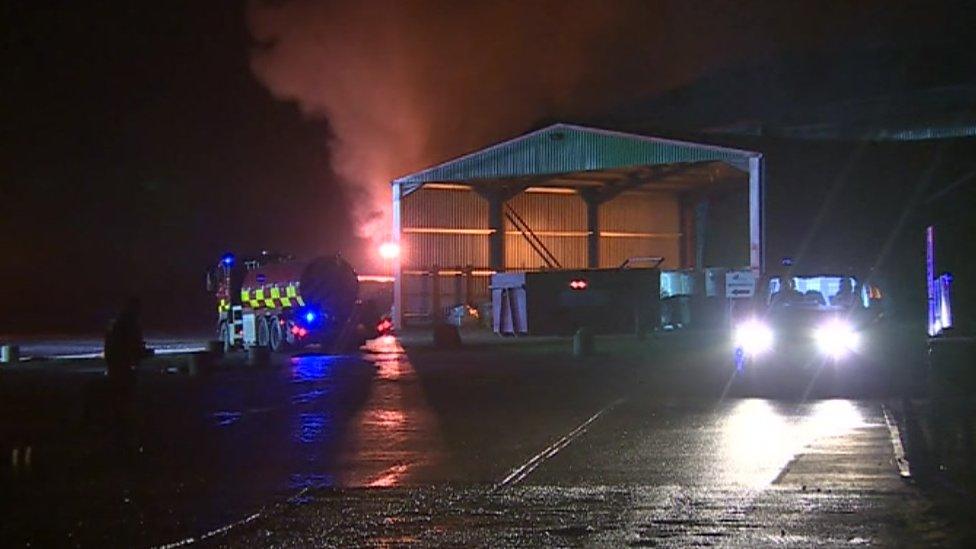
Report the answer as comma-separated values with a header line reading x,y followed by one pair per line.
x,y
845,294
788,293
124,348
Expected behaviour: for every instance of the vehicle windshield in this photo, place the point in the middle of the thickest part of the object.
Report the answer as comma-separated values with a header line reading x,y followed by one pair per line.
x,y
819,293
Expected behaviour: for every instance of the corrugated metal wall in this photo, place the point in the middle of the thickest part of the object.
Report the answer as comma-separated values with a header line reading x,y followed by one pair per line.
x,y
447,226
423,251
640,212
453,206
559,220
640,224
614,251
444,226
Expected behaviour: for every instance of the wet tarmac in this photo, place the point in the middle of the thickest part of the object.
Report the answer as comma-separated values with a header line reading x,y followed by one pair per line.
x,y
494,445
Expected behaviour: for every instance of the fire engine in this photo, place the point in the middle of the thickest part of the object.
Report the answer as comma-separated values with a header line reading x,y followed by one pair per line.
x,y
273,300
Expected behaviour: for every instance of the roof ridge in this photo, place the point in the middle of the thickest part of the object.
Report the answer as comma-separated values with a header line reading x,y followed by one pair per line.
x,y
429,174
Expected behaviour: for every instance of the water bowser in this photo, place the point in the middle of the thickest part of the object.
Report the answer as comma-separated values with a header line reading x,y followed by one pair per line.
x,y
277,301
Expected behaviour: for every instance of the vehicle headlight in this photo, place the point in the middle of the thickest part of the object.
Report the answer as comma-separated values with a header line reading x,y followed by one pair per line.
x,y
753,337
837,338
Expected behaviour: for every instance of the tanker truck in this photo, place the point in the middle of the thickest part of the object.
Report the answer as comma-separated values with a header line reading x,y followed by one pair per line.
x,y
273,300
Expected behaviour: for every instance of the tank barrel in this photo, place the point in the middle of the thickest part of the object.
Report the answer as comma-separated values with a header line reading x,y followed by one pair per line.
x,y
330,285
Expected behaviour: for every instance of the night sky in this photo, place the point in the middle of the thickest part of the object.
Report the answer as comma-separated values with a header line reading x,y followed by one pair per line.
x,y
138,147
141,142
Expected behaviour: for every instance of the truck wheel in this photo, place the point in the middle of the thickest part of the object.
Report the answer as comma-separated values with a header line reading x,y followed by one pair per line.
x,y
277,334
290,338
223,334
263,332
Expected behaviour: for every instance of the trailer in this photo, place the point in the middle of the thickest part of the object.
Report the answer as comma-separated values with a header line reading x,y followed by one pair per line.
x,y
559,302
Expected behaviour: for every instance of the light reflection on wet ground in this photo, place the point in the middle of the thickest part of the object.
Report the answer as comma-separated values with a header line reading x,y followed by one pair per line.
x,y
317,385
735,443
395,435
760,437
225,419
390,436
222,447
212,449
701,476
312,368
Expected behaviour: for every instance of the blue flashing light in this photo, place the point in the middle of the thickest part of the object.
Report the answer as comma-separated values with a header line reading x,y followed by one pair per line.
x,y
310,317
228,259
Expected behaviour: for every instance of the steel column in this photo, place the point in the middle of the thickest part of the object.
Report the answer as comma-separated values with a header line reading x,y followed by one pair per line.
x,y
756,213
593,230
496,223
701,231
397,267
686,222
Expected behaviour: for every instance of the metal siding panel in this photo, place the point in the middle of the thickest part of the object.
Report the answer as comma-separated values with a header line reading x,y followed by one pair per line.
x,y
569,250
656,213
445,208
614,251
641,212
545,212
550,212
463,209
423,251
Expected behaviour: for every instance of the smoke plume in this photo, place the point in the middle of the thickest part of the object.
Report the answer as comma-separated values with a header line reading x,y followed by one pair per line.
x,y
406,84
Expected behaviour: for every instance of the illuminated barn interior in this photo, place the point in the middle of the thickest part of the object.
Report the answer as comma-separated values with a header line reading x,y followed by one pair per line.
x,y
574,197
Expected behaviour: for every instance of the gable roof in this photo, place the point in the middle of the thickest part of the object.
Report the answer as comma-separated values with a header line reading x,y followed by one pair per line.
x,y
567,148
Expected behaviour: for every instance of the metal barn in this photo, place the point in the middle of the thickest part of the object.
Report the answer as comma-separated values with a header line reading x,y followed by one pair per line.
x,y
568,196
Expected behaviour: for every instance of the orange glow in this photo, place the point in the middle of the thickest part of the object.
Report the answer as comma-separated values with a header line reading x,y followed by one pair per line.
x,y
447,187
552,233
613,234
540,190
375,278
451,272
550,190
389,250
577,234
389,370
388,478
387,419
395,434
445,230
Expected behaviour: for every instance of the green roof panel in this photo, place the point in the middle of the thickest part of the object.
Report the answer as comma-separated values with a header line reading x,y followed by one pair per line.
x,y
565,148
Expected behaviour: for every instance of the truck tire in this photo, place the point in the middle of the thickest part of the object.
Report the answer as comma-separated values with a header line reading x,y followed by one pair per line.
x,y
276,335
263,335
291,339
